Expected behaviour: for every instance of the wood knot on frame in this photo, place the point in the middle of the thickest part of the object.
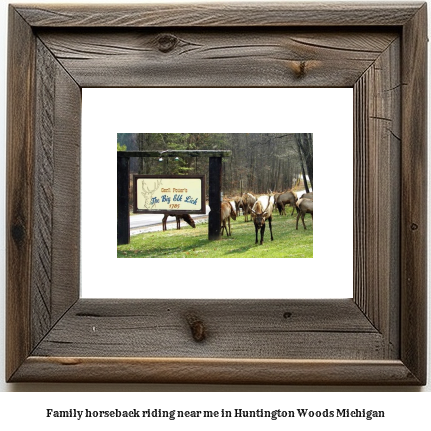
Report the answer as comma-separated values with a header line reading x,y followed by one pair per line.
x,y
302,68
18,233
167,42
197,328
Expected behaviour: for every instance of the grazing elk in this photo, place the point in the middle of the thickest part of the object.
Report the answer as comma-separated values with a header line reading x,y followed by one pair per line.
x,y
186,217
226,213
234,206
304,206
276,195
248,200
307,196
260,214
237,204
284,199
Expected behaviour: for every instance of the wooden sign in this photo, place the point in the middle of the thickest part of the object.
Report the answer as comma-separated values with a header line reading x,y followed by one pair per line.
x,y
170,193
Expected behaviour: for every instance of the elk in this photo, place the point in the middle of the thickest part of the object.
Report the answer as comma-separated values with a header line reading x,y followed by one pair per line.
x,y
304,206
248,200
237,204
226,213
259,215
186,217
234,206
307,196
284,199
276,195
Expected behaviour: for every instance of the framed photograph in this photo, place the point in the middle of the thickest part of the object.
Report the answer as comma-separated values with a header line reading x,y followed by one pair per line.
x,y
376,337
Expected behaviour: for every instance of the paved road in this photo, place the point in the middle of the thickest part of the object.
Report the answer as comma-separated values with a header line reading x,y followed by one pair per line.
x,y
140,223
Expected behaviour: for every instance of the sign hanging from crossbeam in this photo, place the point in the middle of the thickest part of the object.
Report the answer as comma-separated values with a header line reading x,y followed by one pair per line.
x,y
214,192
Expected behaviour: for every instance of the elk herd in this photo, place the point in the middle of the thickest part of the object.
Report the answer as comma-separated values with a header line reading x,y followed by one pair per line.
x,y
261,209
258,209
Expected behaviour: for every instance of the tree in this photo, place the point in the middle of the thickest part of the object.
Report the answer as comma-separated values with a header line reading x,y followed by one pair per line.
x,y
259,162
304,142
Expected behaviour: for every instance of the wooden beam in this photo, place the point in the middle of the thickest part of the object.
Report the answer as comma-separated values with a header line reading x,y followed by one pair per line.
x,y
176,153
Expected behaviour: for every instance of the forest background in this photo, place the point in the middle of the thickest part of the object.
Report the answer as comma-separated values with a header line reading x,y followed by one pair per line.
x,y
259,162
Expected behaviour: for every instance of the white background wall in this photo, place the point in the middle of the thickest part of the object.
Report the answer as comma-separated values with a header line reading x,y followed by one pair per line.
x,y
405,406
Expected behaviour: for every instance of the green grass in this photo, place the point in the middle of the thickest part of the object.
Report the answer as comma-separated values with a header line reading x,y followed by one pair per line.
x,y
190,243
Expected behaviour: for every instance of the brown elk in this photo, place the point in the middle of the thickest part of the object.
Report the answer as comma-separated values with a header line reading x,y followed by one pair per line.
x,y
307,196
237,204
260,214
304,206
248,200
286,198
226,213
186,217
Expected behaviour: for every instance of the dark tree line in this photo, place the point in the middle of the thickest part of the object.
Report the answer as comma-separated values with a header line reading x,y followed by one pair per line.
x,y
304,142
260,161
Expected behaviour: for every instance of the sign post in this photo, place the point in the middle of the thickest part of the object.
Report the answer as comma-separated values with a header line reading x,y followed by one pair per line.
x,y
123,219
214,218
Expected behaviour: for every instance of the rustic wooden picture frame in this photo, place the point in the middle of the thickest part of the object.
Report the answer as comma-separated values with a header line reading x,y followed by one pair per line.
x,y
378,337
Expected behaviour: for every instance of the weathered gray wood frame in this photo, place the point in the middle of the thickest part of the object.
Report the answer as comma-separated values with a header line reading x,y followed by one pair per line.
x,y
378,337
